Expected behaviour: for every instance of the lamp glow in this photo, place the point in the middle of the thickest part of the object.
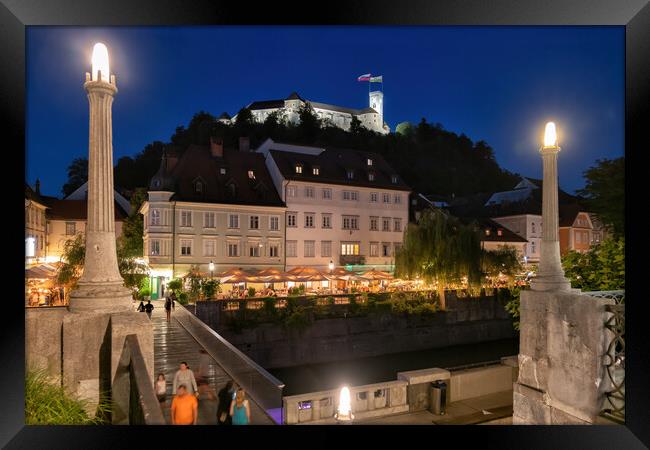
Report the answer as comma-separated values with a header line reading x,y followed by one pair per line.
x,y
100,62
550,136
344,411
211,266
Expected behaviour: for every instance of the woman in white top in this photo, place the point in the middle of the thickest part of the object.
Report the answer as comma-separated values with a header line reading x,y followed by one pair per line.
x,y
161,389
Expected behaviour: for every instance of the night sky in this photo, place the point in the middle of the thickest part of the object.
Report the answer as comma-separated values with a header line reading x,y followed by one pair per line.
x,y
498,84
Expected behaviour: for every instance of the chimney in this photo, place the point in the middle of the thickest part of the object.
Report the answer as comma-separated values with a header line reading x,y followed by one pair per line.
x,y
216,147
37,186
244,144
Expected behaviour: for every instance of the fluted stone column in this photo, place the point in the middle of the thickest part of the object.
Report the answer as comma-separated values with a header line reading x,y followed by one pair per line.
x,y
550,275
101,287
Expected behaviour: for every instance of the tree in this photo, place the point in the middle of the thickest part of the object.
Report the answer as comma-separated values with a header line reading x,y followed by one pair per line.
x,y
77,175
210,287
310,124
604,192
440,249
504,260
404,129
244,119
602,268
355,126
133,227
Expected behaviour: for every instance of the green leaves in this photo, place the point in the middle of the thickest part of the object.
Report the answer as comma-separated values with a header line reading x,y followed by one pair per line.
x,y
602,268
604,192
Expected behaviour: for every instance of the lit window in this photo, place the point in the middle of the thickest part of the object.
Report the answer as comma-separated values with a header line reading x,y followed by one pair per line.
x,y
369,162
70,228
393,179
371,176
487,231
251,174
298,168
349,248
350,174
222,170
316,171
499,232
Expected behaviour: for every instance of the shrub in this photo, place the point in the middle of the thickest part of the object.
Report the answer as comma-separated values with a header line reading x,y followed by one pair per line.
x,y
513,306
209,288
251,292
297,319
183,298
175,285
143,293
47,403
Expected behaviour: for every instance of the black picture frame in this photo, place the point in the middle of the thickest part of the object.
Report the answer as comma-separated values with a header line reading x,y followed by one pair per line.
x,y
634,15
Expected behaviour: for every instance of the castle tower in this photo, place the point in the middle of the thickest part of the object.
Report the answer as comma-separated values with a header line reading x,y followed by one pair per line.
x,y
377,103
101,287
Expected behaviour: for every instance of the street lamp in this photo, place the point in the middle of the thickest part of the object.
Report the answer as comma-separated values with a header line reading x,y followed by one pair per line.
x,y
344,411
211,265
331,267
550,276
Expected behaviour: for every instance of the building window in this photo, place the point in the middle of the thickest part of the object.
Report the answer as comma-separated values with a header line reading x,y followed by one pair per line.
x,y
274,223
254,250
349,248
70,228
251,174
292,191
487,231
208,220
292,249
397,224
373,197
309,220
369,162
499,232
186,218
298,168
327,221
350,195
350,174
326,248
209,247
186,247
309,249
233,220
373,223
385,249
393,179
532,224
350,222
386,197
532,247
398,199
198,187
291,219
374,249
233,249
371,176
254,222
222,170
154,247
327,194
385,224
315,170
309,192
274,250
155,217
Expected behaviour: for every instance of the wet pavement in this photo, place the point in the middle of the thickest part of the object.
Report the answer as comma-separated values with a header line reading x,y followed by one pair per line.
x,y
172,344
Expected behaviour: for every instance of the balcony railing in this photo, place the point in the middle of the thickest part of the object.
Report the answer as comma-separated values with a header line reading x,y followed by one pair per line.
x,y
614,358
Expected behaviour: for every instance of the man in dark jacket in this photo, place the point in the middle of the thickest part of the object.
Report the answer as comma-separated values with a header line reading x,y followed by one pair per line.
x,y
223,408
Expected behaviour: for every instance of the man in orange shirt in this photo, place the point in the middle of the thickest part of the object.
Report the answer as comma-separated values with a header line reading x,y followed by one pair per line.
x,y
184,407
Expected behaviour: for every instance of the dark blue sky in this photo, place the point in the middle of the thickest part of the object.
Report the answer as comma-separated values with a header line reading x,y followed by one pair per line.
x,y
499,84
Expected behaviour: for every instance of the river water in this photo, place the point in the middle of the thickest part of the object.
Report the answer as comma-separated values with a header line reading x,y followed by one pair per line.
x,y
375,369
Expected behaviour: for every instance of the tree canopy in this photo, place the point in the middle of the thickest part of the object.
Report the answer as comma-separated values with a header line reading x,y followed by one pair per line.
x,y
77,175
602,268
604,192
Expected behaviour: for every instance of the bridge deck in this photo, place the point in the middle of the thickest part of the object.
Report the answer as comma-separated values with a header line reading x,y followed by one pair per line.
x,y
172,344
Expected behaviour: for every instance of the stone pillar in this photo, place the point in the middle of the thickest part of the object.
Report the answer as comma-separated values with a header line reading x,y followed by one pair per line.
x,y
550,275
101,287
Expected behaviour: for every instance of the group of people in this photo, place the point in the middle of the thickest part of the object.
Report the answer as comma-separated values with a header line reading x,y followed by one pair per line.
x,y
170,304
233,407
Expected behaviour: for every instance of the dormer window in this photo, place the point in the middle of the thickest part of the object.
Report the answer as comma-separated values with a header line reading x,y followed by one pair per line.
x,y
198,187
251,174
350,174
222,170
499,232
156,183
487,231
370,161
232,190
371,176
315,170
298,168
393,179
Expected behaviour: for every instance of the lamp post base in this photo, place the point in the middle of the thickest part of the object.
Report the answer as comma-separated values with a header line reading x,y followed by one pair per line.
x,y
555,282
101,297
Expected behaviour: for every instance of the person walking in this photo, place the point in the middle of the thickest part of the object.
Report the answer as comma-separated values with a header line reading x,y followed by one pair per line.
x,y
161,389
240,409
223,407
168,308
141,307
185,376
148,308
184,410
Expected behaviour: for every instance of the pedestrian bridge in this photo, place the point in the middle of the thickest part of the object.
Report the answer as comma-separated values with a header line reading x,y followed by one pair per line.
x,y
182,338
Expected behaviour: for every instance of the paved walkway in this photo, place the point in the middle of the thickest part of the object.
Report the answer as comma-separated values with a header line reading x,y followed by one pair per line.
x,y
173,344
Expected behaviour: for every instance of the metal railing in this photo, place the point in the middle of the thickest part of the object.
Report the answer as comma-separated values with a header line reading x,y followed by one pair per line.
x,y
263,388
614,358
134,398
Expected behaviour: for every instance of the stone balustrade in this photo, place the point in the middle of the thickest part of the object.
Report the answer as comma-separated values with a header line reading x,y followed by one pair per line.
x,y
370,400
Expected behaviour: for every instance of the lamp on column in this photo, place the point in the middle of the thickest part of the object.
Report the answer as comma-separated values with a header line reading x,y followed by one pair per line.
x,y
211,265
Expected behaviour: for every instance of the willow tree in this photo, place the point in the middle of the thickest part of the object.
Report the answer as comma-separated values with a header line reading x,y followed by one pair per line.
x,y
440,249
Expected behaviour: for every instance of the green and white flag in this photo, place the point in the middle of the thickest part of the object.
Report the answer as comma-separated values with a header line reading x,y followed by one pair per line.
x,y
377,79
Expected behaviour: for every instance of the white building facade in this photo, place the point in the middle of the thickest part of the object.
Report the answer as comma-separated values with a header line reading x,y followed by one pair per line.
x,y
528,226
343,206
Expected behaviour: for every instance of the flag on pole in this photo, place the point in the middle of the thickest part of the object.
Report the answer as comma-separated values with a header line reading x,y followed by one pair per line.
x,y
365,77
378,79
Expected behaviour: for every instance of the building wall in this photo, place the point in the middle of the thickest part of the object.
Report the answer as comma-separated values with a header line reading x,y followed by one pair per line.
x,y
221,235
57,235
337,207
529,227
36,228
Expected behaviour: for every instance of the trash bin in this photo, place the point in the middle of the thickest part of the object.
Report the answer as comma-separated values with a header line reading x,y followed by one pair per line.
x,y
438,397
